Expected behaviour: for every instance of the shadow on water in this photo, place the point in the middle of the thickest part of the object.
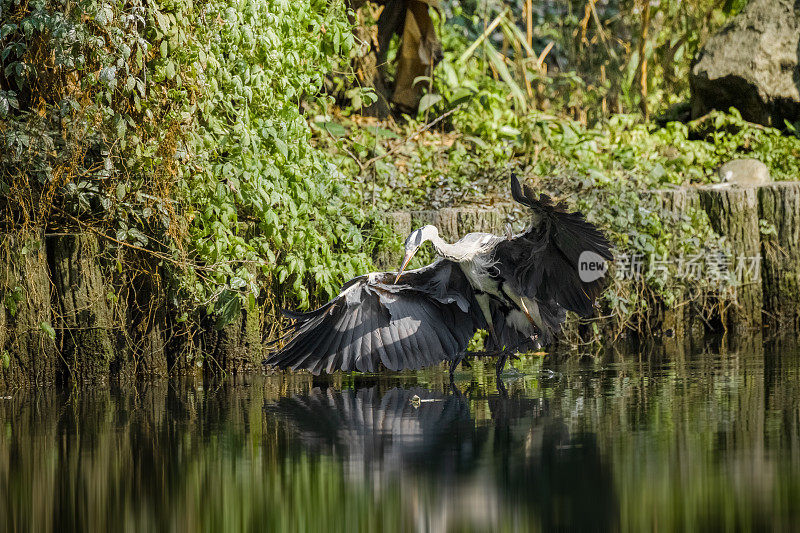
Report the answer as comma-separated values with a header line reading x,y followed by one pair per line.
x,y
709,439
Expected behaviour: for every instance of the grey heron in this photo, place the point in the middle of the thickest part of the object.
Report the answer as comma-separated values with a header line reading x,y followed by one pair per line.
x,y
518,287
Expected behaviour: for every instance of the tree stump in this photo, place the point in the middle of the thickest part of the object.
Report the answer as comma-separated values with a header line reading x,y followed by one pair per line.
x,y
238,346
388,257
446,220
733,213
779,208
146,321
682,323
480,220
27,345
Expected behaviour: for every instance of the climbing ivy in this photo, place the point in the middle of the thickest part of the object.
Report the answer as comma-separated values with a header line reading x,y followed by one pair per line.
x,y
176,127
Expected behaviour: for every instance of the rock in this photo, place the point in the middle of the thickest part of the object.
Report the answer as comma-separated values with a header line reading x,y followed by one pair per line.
x,y
744,172
752,65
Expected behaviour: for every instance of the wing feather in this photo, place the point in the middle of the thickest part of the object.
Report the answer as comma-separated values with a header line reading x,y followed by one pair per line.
x,y
336,359
412,337
543,261
397,346
306,344
329,348
438,350
427,318
364,346
402,334
392,360
377,340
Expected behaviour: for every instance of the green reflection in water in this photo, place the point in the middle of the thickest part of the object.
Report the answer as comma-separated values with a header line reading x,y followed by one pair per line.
x,y
706,441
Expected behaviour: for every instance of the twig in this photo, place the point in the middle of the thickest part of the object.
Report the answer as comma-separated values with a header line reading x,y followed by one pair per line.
x,y
155,253
529,23
710,114
351,155
414,135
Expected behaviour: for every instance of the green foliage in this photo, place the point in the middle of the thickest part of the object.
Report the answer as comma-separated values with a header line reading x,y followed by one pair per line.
x,y
229,306
48,330
12,300
596,51
605,170
178,125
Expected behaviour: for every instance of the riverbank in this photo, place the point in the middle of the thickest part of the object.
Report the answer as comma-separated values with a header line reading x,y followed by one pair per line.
x,y
71,313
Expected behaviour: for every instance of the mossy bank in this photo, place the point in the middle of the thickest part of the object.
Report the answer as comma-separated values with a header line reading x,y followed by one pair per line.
x,y
71,314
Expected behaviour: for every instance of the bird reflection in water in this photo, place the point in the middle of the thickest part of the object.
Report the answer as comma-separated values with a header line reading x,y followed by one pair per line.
x,y
460,460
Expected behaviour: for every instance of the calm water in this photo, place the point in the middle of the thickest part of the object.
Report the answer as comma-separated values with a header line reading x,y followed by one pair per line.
x,y
706,441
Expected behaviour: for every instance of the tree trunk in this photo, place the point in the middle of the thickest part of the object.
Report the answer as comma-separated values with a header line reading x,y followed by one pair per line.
x,y
27,346
83,302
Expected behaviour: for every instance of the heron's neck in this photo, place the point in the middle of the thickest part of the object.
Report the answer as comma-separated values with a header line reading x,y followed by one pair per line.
x,y
445,249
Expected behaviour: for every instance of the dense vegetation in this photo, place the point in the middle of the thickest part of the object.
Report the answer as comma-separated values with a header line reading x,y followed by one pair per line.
x,y
216,137
175,127
524,104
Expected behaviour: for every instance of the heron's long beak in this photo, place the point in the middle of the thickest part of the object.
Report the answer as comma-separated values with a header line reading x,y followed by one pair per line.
x,y
406,260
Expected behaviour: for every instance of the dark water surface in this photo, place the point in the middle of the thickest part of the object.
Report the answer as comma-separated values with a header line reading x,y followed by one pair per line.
x,y
705,442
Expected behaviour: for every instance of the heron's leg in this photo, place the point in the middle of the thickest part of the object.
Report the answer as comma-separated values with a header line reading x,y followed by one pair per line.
x,y
501,388
525,310
501,363
454,364
483,302
455,390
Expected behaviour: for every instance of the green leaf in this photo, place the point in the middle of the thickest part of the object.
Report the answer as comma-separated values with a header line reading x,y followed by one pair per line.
x,y
499,64
12,299
227,308
382,132
281,146
334,128
509,131
428,100
48,330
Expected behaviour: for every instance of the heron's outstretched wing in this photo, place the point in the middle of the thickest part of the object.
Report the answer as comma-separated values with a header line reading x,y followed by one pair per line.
x,y
544,259
427,318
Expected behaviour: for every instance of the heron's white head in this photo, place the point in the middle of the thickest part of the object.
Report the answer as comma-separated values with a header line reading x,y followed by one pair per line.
x,y
415,239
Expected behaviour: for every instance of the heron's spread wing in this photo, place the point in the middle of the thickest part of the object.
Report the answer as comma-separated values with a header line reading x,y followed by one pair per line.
x,y
544,260
427,318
